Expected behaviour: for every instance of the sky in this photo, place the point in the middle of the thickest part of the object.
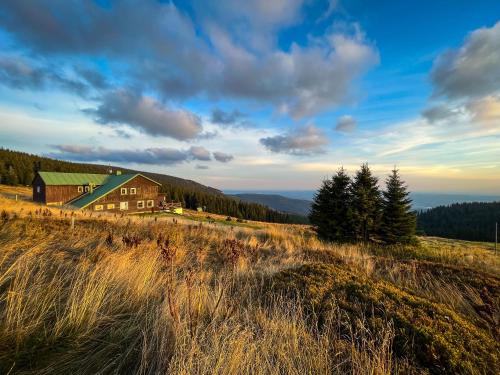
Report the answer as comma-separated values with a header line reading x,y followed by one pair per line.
x,y
241,94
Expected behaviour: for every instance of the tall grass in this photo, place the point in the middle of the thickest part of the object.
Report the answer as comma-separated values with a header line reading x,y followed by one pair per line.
x,y
181,298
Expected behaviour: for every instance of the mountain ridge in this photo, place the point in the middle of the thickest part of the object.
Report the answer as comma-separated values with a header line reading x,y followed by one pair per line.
x,y
278,202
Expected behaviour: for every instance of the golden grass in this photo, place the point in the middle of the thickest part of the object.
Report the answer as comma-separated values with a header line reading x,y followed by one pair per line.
x,y
186,297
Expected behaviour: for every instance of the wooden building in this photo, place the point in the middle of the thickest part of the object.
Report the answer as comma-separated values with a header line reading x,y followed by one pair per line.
x,y
127,193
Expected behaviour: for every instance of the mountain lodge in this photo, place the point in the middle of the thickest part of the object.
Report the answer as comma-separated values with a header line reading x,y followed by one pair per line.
x,y
126,193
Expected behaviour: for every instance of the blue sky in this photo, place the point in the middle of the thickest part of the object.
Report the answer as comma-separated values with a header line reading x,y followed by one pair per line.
x,y
258,94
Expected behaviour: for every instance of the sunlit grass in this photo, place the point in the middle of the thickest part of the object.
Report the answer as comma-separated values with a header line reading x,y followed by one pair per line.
x,y
192,297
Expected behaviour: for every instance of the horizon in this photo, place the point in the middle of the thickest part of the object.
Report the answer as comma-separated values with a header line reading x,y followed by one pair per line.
x,y
258,95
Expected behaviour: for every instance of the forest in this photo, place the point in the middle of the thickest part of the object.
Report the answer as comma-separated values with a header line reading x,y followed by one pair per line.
x,y
464,221
18,168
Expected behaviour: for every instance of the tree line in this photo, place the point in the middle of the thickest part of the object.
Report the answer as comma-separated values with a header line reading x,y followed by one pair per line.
x,y
463,221
19,168
349,209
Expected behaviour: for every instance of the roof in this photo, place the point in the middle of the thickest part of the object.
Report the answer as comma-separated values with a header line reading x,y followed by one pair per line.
x,y
106,183
112,182
60,178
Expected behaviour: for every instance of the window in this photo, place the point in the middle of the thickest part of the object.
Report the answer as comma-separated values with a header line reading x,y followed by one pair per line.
x,y
140,204
80,189
123,191
151,203
110,206
123,206
132,191
38,189
86,189
98,207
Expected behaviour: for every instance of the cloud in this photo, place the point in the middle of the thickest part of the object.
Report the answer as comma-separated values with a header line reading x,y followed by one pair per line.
x,y
486,110
18,74
199,153
346,124
471,71
21,73
252,23
466,82
207,135
223,157
202,167
221,117
152,156
307,140
229,54
437,113
146,114
301,82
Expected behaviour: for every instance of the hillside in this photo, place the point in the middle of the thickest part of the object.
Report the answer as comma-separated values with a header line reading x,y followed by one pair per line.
x,y
162,294
466,221
18,168
278,202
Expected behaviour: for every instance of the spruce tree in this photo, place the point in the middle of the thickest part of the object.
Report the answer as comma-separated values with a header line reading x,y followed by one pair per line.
x,y
398,220
366,205
320,208
330,212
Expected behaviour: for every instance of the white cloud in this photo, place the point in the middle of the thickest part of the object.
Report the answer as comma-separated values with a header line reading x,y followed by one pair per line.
x,y
471,71
146,114
169,57
306,140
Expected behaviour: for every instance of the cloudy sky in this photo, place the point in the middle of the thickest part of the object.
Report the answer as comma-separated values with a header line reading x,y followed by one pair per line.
x,y
242,94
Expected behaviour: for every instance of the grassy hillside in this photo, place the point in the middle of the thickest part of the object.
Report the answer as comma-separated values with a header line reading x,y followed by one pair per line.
x,y
17,168
160,294
278,203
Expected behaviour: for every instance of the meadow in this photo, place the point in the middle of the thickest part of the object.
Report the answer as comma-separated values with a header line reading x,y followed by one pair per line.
x,y
118,294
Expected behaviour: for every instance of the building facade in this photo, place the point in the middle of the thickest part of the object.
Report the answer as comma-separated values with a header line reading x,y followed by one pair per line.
x,y
125,193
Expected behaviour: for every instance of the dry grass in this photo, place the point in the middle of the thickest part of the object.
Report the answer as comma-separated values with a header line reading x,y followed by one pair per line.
x,y
148,295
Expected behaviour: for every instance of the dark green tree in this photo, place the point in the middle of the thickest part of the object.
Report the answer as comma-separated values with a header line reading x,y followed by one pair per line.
x,y
319,216
398,219
330,212
366,205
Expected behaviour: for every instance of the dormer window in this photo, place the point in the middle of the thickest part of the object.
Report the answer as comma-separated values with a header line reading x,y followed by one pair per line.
x,y
123,191
133,191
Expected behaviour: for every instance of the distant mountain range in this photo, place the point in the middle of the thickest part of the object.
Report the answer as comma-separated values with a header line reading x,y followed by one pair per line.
x,y
299,202
278,202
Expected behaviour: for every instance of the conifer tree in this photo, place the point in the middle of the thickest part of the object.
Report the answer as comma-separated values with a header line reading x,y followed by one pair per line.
x,y
366,205
398,220
320,208
331,214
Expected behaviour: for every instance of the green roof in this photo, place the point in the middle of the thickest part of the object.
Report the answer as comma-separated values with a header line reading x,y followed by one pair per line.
x,y
112,182
60,178
105,183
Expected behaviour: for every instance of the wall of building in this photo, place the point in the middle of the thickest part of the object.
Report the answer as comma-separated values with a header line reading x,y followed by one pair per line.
x,y
146,190
38,189
61,194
